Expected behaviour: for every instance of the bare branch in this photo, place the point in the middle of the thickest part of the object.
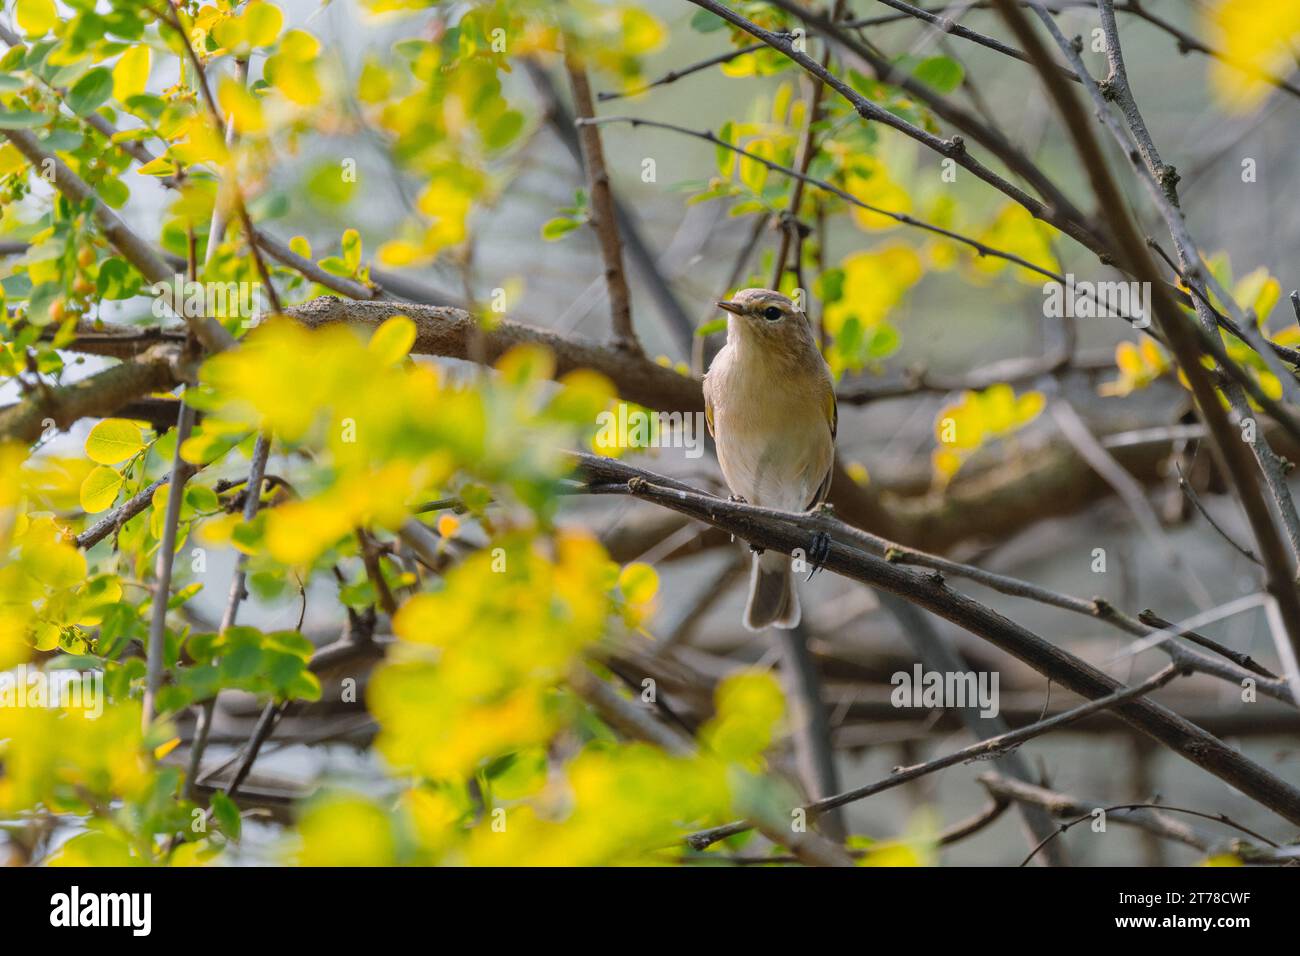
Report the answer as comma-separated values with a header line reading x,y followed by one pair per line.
x,y
1151,817
159,368
784,532
602,216
1152,619
120,515
952,28
1227,442
1162,183
980,750
180,473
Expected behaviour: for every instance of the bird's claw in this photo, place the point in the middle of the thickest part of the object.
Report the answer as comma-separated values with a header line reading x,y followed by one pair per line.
x,y
818,552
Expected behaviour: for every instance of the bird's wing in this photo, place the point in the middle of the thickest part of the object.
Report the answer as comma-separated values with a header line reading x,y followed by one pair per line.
x,y
824,489
708,408
832,410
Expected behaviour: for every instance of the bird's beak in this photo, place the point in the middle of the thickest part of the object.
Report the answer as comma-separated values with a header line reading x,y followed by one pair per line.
x,y
729,306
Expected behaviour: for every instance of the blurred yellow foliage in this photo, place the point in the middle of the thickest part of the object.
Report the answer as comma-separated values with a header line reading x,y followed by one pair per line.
x,y
963,426
1257,38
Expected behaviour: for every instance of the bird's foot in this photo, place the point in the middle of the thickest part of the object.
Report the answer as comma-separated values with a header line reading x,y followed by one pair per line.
x,y
818,552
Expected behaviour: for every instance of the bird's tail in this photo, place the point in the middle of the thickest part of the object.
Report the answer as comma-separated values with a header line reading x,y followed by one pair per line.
x,y
773,601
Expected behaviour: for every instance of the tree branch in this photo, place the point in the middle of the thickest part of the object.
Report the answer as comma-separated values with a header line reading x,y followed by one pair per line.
x,y
602,216
980,750
1226,439
157,369
784,532
1151,817
134,249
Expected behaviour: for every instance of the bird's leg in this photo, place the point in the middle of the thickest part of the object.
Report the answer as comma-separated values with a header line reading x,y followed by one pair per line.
x,y
818,552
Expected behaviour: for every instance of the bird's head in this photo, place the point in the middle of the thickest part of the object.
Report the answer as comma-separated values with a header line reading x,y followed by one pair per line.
x,y
767,317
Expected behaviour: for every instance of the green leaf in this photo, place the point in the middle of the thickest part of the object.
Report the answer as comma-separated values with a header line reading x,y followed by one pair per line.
x,y
941,72
117,280
328,186
113,440
726,158
352,249
335,266
558,228
183,595
709,328
91,91
227,814
503,130
202,499
23,119
706,21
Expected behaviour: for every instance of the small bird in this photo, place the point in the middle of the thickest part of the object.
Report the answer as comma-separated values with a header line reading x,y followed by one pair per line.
x,y
769,400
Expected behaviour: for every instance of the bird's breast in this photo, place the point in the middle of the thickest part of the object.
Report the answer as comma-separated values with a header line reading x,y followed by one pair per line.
x,y
774,442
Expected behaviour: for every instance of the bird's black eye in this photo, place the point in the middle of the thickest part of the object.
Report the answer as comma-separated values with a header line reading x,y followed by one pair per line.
x,y
773,314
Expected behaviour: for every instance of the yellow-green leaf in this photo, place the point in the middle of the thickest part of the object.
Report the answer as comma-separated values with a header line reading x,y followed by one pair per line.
x,y
262,22
113,440
131,72
393,340
99,489
639,582
243,108
37,17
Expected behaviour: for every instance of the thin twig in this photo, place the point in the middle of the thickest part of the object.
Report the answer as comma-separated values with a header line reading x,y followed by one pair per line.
x,y
952,28
602,216
807,150
1186,487
120,515
1153,619
180,472
252,502
1056,209
1151,817
982,750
